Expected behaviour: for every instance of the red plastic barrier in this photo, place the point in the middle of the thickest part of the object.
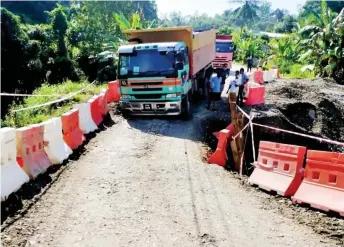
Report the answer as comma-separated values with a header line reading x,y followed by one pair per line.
x,y
279,168
256,96
103,103
113,92
30,150
96,108
323,185
220,157
72,133
258,77
230,135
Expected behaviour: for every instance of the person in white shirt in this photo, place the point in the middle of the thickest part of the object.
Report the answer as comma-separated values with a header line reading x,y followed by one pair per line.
x,y
214,90
234,84
244,80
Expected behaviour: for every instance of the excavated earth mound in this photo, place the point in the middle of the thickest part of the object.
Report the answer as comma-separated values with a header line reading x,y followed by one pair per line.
x,y
312,106
316,105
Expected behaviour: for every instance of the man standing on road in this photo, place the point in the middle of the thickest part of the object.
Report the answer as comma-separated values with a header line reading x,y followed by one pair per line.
x,y
244,80
249,61
214,89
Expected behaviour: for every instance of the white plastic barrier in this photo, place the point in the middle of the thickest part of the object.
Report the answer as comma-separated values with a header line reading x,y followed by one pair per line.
x,y
86,122
275,73
268,75
251,77
12,176
56,149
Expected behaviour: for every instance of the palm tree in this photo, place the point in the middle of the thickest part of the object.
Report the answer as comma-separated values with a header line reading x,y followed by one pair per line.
x,y
246,13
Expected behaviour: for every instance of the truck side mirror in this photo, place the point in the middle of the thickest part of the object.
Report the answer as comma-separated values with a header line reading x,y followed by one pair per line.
x,y
179,65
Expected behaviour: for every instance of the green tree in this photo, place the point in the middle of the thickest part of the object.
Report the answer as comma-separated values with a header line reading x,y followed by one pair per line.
x,y
225,30
59,25
322,43
246,13
133,23
32,12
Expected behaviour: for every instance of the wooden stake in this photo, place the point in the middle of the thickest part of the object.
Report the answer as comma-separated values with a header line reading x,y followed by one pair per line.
x,y
237,122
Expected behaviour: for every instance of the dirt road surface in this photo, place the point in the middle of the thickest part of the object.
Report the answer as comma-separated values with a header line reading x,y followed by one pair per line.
x,y
142,182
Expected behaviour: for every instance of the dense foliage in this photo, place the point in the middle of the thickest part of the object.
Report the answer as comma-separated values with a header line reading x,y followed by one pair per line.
x,y
52,41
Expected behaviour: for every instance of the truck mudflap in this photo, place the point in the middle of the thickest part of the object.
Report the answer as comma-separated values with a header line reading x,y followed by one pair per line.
x,y
152,108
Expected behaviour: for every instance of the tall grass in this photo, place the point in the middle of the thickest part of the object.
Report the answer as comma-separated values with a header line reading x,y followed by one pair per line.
x,y
37,115
296,73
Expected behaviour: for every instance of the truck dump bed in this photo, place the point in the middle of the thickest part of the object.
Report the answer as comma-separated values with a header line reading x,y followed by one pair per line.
x,y
201,45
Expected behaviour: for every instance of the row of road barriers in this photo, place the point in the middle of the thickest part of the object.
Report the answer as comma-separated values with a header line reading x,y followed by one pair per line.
x,y
29,151
320,184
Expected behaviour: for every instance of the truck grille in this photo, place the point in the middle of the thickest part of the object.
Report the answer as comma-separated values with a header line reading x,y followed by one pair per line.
x,y
220,59
146,83
146,89
148,96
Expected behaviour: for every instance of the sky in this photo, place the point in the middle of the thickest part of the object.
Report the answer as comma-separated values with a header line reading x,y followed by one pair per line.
x,y
212,7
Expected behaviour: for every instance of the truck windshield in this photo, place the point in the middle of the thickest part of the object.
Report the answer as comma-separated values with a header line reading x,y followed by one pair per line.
x,y
224,47
146,63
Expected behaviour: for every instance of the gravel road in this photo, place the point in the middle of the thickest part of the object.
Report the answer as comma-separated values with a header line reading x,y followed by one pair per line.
x,y
142,182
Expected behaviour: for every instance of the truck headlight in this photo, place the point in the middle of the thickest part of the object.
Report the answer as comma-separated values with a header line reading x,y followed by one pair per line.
x,y
125,96
172,95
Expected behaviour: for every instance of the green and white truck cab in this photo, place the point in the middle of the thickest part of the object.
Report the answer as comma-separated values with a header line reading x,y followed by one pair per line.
x,y
153,77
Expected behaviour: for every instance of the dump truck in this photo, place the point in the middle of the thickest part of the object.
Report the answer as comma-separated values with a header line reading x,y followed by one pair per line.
x,y
224,53
162,69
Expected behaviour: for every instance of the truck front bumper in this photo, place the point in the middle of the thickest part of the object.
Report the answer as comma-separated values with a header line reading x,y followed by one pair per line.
x,y
151,108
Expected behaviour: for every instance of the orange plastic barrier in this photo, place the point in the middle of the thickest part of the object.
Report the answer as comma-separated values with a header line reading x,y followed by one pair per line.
x,y
256,96
220,157
279,168
258,77
30,150
323,184
113,94
72,133
96,108
230,135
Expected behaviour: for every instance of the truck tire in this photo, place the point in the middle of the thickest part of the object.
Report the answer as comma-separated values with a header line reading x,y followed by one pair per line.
x,y
186,108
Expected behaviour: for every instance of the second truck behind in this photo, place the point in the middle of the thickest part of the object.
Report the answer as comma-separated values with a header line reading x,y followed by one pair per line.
x,y
224,53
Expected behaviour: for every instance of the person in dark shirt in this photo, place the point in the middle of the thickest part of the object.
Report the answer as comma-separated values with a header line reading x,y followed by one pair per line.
x,y
249,63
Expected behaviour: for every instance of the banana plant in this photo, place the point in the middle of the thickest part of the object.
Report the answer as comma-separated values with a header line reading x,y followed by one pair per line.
x,y
134,22
124,24
322,42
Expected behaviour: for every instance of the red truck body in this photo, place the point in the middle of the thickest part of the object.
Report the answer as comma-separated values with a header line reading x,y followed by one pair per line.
x,y
224,52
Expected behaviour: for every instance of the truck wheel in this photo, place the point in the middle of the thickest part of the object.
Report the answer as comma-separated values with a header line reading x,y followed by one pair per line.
x,y
186,108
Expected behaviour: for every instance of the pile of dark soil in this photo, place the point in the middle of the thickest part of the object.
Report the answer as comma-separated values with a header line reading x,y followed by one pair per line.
x,y
315,105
